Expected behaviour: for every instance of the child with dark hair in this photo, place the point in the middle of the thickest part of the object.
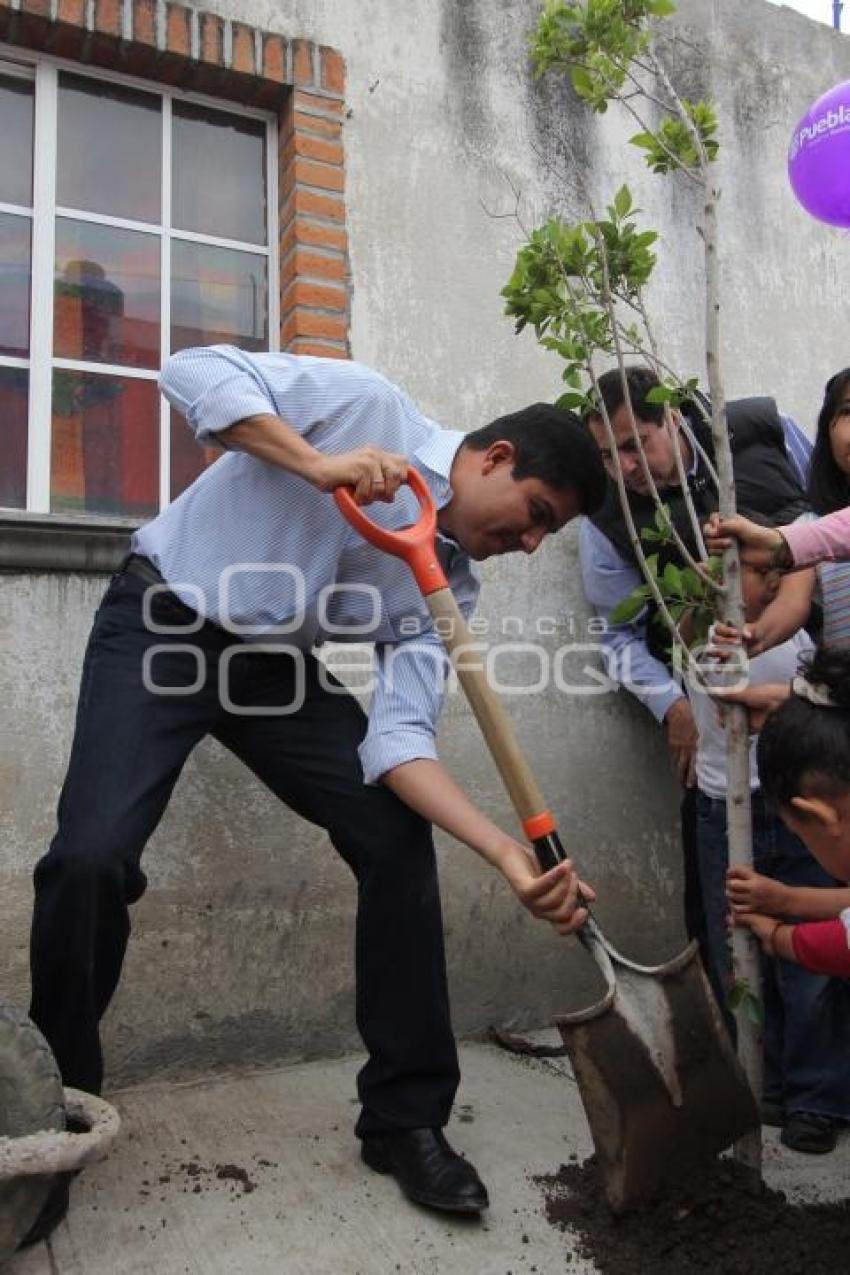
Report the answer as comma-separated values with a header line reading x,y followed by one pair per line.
x,y
804,765
806,1079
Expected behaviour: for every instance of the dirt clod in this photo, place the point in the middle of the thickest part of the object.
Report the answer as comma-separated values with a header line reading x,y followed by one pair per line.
x,y
718,1224
235,1173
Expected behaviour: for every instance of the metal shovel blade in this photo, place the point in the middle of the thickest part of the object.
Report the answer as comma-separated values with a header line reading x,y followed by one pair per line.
x,y
661,1085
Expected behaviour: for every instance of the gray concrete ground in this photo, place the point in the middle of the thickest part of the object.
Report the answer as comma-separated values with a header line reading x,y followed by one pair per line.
x,y
157,1206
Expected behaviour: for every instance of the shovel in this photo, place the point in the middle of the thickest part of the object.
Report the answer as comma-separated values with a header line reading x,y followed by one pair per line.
x,y
661,1085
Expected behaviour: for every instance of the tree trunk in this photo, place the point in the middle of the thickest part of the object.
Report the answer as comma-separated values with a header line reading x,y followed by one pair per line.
x,y
745,957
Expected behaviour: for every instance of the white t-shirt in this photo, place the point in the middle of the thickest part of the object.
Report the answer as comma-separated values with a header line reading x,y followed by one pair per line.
x,y
779,664
844,918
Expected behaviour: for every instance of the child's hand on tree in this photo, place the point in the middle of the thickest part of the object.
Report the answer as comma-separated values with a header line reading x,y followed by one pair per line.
x,y
750,892
759,701
758,546
775,936
722,636
763,927
726,639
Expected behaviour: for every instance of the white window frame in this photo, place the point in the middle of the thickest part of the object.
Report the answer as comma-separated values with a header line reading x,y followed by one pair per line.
x,y
44,71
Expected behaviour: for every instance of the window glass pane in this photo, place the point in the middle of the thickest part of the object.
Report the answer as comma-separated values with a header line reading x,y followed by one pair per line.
x,y
15,276
188,459
106,304
16,112
14,382
109,149
105,444
218,174
217,294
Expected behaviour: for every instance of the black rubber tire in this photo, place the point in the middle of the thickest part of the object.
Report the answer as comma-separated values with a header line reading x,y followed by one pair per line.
x,y
31,1100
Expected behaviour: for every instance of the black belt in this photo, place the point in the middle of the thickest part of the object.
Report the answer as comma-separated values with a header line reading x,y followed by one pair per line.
x,y
136,565
143,568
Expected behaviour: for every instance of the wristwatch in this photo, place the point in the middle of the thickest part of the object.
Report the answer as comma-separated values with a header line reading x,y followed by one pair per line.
x,y
783,559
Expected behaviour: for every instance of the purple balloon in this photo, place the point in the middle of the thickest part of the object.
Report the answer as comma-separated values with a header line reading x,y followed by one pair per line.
x,y
819,157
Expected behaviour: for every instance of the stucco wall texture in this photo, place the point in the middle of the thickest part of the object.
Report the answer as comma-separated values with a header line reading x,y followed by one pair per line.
x,y
241,950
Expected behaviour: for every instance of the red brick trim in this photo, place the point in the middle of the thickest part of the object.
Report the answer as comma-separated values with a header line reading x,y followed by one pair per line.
x,y
314,244
303,83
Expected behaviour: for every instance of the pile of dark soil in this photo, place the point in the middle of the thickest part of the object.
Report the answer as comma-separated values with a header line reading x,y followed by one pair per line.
x,y
720,1224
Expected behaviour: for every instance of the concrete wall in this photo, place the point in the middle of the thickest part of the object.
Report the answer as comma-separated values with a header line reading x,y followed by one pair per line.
x,y
242,946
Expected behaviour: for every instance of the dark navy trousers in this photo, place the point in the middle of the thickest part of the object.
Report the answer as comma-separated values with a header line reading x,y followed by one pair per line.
x,y
130,743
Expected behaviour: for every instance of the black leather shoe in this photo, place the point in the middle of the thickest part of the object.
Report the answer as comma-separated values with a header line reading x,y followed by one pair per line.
x,y
428,1171
810,1133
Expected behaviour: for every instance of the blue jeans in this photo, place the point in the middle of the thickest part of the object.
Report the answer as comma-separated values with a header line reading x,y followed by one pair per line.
x,y
807,1016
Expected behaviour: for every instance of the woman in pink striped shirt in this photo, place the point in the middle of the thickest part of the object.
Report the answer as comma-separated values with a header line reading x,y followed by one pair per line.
x,y
825,540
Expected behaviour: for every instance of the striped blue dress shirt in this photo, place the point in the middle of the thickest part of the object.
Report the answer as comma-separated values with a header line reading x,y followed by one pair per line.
x,y
608,578
263,553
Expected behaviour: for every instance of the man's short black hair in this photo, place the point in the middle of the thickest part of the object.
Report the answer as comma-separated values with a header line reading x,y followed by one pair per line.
x,y
550,444
640,381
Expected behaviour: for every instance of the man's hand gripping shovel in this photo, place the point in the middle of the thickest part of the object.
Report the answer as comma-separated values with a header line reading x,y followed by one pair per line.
x,y
662,1088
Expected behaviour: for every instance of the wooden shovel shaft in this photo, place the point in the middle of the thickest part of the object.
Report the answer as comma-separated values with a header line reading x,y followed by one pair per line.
x,y
537,821
528,800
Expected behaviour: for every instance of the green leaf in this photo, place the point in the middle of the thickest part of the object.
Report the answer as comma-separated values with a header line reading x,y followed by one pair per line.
x,y
646,141
581,81
736,994
623,201
754,1009
661,394
569,401
652,565
741,997
630,607
661,8
672,579
693,585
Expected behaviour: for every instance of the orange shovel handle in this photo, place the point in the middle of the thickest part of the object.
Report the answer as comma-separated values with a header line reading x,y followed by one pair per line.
x,y
414,545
